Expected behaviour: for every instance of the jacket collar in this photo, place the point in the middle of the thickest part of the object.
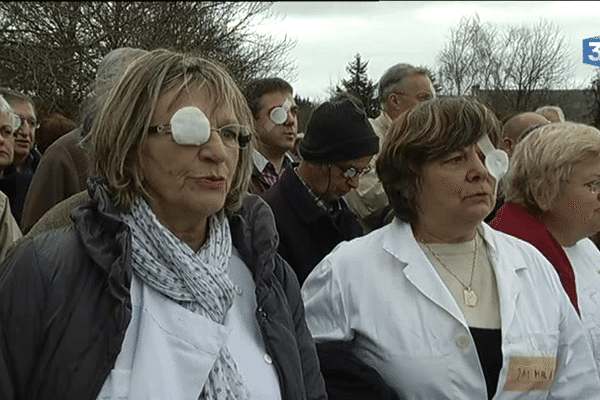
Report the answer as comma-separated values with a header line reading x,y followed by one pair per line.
x,y
303,203
254,235
105,237
400,242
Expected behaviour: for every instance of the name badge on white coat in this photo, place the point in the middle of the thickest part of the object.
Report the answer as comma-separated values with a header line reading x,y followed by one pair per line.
x,y
176,350
530,373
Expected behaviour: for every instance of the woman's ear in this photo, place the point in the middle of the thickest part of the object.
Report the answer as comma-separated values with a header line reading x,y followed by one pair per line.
x,y
542,199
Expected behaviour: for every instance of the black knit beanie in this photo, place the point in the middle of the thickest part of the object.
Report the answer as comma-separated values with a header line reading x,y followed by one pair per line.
x,y
338,131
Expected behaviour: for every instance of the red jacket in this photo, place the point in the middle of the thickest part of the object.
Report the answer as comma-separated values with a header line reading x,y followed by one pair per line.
x,y
514,220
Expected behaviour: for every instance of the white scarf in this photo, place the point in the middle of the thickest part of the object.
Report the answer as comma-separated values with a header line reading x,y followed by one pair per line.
x,y
197,281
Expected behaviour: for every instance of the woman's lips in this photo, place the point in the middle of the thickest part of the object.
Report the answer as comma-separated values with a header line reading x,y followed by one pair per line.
x,y
212,182
476,196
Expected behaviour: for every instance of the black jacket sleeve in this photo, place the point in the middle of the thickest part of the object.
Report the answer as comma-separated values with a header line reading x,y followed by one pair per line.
x,y
349,378
22,296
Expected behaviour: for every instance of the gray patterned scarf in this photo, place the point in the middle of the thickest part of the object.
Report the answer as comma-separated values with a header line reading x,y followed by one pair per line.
x,y
197,281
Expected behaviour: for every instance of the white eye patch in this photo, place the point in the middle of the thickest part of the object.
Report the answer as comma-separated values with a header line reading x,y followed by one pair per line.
x,y
190,126
278,115
496,161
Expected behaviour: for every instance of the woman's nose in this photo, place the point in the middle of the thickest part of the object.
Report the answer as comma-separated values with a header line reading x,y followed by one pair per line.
x,y
478,170
214,149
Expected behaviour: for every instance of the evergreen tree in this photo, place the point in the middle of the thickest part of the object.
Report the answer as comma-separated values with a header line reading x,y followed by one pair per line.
x,y
360,86
305,109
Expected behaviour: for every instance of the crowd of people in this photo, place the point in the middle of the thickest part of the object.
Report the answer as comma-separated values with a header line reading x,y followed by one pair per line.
x,y
186,241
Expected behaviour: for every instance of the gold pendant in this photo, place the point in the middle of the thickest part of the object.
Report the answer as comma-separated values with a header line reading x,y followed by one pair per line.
x,y
470,297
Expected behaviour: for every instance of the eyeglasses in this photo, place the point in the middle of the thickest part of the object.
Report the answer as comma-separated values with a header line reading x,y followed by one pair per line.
x,y
31,121
234,136
351,172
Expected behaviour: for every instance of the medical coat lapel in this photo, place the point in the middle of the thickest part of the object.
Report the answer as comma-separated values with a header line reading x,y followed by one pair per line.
x,y
506,270
401,244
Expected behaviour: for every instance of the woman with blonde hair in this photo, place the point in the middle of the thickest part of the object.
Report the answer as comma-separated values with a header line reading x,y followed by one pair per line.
x,y
168,284
553,202
440,304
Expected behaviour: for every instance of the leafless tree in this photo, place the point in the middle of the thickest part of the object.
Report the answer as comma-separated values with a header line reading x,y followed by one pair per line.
x,y
51,50
467,59
535,58
521,59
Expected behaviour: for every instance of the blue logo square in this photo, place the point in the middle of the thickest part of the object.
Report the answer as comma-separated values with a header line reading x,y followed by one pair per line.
x,y
591,51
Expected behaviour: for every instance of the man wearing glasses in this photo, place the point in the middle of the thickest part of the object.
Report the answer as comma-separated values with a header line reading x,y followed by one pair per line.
x,y
400,88
310,212
17,176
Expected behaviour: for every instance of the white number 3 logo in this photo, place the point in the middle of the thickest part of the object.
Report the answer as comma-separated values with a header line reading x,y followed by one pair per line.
x,y
596,49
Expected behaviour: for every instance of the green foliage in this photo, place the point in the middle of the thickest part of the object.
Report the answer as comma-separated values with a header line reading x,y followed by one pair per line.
x,y
360,86
305,109
51,50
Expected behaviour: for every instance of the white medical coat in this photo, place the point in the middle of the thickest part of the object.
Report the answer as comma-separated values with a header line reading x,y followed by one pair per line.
x,y
381,292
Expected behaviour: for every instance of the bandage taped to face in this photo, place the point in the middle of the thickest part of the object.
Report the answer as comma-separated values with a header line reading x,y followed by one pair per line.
x,y
496,161
189,126
278,115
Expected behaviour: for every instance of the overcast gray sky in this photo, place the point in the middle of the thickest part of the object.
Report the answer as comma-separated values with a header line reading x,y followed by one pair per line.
x,y
329,34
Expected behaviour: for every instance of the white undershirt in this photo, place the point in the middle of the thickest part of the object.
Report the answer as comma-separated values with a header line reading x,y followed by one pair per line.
x,y
458,257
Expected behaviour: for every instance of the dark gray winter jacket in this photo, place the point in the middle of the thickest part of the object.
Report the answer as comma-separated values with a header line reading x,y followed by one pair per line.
x,y
65,305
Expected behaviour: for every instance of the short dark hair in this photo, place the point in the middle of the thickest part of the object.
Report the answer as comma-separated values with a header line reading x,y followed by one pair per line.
x,y
257,88
426,133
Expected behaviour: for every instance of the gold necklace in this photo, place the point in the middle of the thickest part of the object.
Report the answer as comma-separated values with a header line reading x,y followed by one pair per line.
x,y
469,296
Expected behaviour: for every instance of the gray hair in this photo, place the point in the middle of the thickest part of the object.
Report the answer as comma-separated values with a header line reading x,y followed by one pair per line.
x,y
113,66
6,110
543,110
12,96
393,79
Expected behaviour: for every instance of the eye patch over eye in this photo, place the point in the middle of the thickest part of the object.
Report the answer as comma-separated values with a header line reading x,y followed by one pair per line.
x,y
496,161
278,115
189,126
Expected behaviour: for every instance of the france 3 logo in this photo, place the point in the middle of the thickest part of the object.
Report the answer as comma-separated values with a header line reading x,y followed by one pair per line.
x,y
591,51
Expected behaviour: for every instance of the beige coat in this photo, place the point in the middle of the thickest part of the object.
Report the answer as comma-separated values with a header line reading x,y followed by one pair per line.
x,y
9,230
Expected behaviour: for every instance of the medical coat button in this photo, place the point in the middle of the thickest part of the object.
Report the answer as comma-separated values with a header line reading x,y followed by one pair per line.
x,y
268,359
463,341
239,290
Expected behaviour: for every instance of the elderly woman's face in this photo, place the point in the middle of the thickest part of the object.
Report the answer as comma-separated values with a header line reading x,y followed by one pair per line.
x,y
578,207
7,141
186,179
456,189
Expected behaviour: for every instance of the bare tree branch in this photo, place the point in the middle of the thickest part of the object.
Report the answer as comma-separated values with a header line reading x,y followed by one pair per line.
x,y
521,58
51,50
